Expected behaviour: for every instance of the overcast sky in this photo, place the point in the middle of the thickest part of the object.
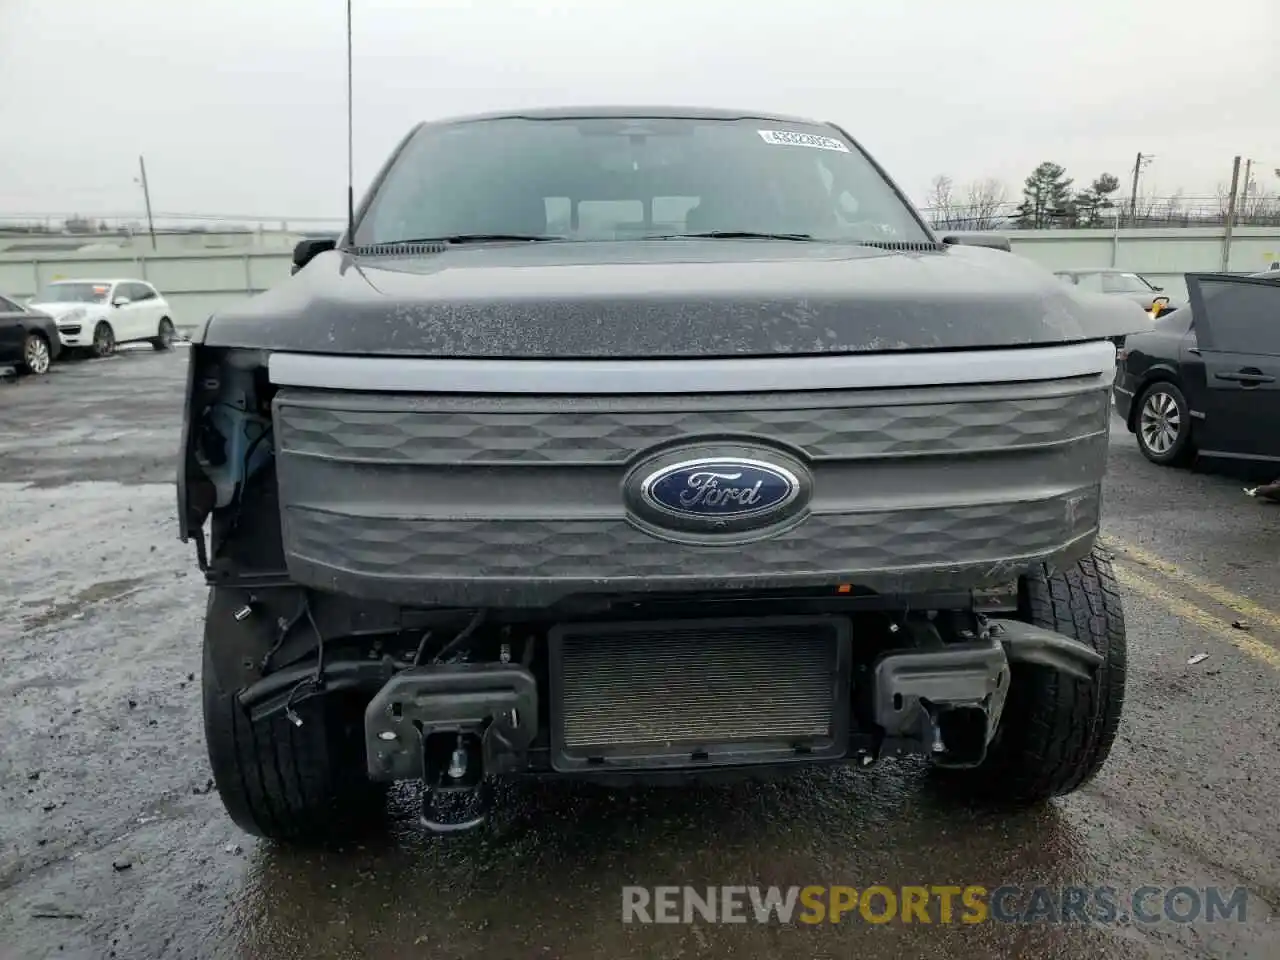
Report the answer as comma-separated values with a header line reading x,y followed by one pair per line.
x,y
238,105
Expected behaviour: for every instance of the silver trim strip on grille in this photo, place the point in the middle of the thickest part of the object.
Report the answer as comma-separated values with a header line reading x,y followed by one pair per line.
x,y
750,374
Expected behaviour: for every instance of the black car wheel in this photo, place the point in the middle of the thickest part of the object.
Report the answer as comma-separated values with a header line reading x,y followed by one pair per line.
x,y
1056,731
292,782
104,340
1162,424
36,355
164,338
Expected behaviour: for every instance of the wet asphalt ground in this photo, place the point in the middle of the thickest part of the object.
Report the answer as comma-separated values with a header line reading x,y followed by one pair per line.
x,y
112,845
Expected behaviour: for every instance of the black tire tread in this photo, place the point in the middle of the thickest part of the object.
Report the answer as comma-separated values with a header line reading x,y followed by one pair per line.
x,y
93,348
284,782
158,342
1057,732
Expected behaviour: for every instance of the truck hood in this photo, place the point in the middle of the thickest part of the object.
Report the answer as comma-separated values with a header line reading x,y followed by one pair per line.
x,y
671,298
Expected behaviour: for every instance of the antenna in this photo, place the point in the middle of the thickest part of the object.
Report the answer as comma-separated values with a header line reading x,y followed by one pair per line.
x,y
351,175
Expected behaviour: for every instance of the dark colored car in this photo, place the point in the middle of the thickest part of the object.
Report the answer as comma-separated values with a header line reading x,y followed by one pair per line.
x,y
628,444
1123,283
28,339
1203,381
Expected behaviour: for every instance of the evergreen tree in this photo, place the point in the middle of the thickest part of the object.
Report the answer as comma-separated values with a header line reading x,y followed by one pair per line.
x,y
1046,198
1090,203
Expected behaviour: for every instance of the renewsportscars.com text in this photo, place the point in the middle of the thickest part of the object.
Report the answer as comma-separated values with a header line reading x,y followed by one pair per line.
x,y
936,904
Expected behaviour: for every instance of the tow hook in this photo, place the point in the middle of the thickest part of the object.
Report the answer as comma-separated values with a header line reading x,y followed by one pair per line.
x,y
456,795
455,726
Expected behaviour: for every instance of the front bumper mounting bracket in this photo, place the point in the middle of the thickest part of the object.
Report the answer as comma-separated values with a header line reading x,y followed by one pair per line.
x,y
1028,644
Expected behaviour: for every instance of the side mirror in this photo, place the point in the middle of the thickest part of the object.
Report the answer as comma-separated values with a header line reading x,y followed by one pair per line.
x,y
121,302
979,238
307,250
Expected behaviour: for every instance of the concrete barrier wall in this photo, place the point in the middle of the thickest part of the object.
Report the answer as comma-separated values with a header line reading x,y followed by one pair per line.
x,y
199,282
1163,256
196,284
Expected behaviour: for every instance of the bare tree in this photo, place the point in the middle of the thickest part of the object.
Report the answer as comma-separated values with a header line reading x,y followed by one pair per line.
x,y
1257,206
942,208
1223,193
1170,210
1144,208
1253,207
984,199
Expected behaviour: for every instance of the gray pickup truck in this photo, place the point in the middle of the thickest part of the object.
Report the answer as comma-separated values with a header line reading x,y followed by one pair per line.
x,y
639,444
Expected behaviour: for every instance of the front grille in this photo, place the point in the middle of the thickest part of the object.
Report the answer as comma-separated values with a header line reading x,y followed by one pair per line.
x,y
517,500
586,549
826,425
688,693
71,329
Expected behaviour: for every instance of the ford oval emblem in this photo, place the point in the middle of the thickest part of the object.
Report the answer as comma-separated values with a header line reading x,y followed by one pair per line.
x,y
727,488
718,492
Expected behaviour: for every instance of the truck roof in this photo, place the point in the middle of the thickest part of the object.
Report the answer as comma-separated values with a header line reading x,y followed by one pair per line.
x,y
625,112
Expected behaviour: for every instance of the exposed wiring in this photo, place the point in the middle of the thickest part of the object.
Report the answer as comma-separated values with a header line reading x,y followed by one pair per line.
x,y
462,637
422,647
290,714
285,627
319,677
316,680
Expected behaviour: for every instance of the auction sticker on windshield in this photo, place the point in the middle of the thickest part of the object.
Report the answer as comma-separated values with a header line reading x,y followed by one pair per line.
x,y
793,138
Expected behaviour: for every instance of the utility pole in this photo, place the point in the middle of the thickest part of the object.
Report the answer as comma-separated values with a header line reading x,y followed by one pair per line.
x,y
1242,208
146,195
1231,215
1115,239
1133,196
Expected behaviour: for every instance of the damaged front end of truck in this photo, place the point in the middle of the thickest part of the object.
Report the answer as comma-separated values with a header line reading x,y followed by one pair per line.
x,y
454,668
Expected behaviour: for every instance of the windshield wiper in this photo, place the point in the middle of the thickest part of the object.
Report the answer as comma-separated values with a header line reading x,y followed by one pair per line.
x,y
732,235
459,238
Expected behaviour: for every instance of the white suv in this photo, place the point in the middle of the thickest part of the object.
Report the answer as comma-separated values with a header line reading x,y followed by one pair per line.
x,y
98,314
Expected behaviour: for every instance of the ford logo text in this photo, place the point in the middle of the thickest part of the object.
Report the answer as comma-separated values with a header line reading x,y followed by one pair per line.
x,y
725,489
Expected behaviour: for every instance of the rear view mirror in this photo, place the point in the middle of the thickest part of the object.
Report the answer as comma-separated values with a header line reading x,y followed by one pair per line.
x,y
307,250
976,238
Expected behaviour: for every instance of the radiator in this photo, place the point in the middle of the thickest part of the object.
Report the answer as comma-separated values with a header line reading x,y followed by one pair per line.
x,y
690,693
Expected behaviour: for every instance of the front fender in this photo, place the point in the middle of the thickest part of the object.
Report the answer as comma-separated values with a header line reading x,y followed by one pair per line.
x,y
194,490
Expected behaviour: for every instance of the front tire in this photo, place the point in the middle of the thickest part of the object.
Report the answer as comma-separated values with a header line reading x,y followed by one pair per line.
x,y
163,339
1162,424
104,340
36,355
293,784
1056,731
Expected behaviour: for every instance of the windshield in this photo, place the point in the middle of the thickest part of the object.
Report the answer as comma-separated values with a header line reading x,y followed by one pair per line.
x,y
1124,283
73,293
624,179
